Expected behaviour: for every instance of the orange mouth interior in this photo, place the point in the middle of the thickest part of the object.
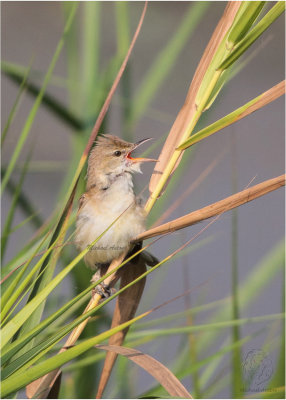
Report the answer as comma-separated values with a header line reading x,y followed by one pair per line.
x,y
128,155
138,159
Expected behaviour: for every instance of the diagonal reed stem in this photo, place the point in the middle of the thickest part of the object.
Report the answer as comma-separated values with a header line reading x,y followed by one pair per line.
x,y
224,205
177,153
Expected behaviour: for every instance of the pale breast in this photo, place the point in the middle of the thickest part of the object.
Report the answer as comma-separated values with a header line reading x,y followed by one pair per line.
x,y
93,220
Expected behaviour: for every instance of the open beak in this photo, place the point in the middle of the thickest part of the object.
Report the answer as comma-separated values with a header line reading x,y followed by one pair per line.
x,y
139,159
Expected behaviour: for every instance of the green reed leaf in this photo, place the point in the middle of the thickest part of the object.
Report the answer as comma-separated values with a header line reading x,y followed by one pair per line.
x,y
245,21
241,112
253,35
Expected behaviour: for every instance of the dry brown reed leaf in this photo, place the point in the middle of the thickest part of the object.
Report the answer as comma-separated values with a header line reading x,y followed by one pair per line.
x,y
55,391
266,98
162,374
217,208
189,108
125,309
52,394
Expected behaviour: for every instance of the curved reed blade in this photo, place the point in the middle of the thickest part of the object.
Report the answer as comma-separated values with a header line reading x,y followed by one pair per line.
x,y
159,372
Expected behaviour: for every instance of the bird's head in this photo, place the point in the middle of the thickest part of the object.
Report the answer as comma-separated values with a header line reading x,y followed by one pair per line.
x,y
112,156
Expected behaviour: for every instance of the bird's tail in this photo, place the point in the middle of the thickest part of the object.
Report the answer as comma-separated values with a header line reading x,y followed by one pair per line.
x,y
145,256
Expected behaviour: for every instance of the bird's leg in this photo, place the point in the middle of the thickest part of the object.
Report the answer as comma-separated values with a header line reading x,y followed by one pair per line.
x,y
105,289
102,289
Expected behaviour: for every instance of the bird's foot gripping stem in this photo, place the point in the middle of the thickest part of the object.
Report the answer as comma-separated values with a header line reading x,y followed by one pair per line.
x,y
103,290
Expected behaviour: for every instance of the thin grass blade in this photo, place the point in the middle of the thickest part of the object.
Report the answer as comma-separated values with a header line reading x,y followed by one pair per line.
x,y
237,379
91,32
11,212
26,205
15,288
205,327
50,102
15,106
278,379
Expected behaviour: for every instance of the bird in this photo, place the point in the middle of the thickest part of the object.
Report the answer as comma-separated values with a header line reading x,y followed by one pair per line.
x,y
110,204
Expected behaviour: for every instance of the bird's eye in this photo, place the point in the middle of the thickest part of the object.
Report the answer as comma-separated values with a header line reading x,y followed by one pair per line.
x,y
117,153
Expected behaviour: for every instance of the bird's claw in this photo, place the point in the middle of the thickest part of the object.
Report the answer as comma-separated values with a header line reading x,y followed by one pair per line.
x,y
105,291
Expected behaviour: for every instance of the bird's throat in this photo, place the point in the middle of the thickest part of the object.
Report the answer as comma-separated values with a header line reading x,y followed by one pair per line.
x,y
117,190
